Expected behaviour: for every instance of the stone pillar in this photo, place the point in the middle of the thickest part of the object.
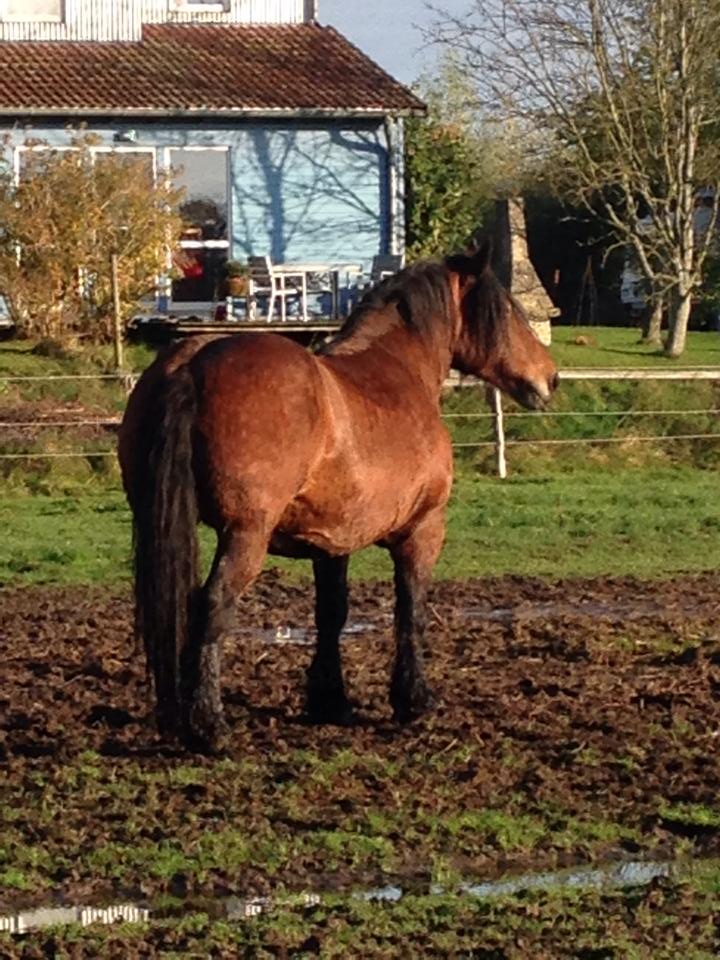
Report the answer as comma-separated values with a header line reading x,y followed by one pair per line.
x,y
513,260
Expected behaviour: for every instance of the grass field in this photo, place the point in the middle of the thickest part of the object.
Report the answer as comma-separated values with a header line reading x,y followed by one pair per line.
x,y
647,522
621,347
565,510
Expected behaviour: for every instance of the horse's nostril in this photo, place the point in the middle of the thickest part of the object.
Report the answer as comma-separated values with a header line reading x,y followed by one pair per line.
x,y
554,381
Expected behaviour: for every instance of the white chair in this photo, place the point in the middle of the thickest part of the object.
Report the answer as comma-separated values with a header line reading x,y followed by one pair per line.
x,y
264,282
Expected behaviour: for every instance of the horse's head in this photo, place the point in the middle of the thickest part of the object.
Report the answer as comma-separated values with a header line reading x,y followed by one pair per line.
x,y
495,341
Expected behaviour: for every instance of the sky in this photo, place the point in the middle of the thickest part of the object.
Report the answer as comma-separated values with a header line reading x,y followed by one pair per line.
x,y
389,31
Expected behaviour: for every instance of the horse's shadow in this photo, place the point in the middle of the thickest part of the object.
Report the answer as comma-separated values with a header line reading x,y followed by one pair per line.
x,y
252,715
301,720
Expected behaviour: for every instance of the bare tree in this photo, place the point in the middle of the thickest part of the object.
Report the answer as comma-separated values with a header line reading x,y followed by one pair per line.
x,y
626,95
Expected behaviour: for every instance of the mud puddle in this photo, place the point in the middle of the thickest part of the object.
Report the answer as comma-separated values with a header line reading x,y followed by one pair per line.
x,y
300,636
628,611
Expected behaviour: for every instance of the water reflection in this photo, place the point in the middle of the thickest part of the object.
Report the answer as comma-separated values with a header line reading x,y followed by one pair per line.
x,y
613,876
43,917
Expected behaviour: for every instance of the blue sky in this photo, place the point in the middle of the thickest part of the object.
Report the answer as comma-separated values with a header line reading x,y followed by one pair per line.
x,y
388,30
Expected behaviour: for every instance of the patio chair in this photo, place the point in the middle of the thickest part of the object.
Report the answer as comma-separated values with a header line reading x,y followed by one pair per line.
x,y
385,265
264,282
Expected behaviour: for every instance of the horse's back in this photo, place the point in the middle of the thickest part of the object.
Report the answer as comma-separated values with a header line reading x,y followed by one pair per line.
x,y
256,406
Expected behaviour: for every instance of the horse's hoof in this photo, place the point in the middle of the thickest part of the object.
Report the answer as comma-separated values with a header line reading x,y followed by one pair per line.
x,y
407,709
206,735
330,711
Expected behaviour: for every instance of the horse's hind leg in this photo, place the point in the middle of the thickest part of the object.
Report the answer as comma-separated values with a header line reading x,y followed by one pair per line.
x,y
414,557
238,561
326,698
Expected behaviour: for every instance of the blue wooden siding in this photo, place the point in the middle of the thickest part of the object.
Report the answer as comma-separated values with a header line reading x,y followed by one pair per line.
x,y
310,194
299,191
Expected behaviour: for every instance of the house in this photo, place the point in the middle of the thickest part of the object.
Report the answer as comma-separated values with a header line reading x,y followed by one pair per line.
x,y
287,138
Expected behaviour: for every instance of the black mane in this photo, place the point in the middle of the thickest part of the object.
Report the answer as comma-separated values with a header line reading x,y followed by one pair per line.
x,y
421,293
422,296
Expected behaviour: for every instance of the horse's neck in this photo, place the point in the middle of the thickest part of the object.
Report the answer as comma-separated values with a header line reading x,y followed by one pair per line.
x,y
396,351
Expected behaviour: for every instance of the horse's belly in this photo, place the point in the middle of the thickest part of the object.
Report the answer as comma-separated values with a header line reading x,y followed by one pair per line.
x,y
305,532
340,525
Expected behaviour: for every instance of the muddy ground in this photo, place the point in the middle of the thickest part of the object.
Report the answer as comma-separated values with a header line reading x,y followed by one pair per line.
x,y
564,706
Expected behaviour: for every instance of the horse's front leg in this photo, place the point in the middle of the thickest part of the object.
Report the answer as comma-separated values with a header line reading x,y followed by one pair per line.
x,y
327,701
415,556
238,561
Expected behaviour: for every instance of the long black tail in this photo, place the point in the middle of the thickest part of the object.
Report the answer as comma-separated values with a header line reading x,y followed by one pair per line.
x,y
165,541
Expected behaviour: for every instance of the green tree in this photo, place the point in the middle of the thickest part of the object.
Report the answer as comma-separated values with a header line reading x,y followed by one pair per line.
x,y
450,174
69,211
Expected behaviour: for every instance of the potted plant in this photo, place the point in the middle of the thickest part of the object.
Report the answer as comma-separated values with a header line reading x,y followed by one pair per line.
x,y
236,278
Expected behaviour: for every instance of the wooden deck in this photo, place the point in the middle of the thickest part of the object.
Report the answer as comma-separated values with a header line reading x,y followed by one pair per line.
x,y
162,329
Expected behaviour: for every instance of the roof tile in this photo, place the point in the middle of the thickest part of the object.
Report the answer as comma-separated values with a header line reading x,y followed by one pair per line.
x,y
200,67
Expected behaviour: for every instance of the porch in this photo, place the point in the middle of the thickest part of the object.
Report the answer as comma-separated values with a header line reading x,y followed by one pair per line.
x,y
162,328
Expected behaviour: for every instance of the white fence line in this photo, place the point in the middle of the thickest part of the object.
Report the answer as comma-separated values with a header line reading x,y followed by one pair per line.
x,y
657,438
33,424
598,373
507,414
611,373
570,373
497,414
70,455
52,377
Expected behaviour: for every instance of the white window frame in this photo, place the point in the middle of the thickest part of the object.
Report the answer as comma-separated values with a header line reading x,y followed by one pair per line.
x,y
31,18
22,148
204,305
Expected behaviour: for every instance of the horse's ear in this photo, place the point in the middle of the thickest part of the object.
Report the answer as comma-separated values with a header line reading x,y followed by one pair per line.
x,y
482,256
475,261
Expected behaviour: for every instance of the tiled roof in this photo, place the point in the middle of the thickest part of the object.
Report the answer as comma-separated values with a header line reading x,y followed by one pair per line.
x,y
191,68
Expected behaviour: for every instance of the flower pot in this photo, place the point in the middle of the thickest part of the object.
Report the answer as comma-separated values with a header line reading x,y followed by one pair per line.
x,y
236,286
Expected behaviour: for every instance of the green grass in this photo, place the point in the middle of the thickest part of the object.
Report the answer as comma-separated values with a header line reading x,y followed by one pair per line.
x,y
276,813
26,358
621,347
650,522
253,816
30,358
657,925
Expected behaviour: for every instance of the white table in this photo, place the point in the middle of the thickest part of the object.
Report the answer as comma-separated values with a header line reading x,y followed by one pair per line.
x,y
303,271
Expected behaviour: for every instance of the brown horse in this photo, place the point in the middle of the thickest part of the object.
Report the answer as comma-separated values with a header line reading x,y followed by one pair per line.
x,y
308,455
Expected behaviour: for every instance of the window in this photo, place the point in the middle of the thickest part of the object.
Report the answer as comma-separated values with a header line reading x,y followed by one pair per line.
x,y
203,173
134,155
137,159
32,9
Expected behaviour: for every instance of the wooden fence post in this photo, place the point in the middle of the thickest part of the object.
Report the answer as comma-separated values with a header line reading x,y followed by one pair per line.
x,y
117,314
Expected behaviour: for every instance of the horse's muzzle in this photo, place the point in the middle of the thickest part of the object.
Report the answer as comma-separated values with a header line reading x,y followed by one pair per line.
x,y
536,395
